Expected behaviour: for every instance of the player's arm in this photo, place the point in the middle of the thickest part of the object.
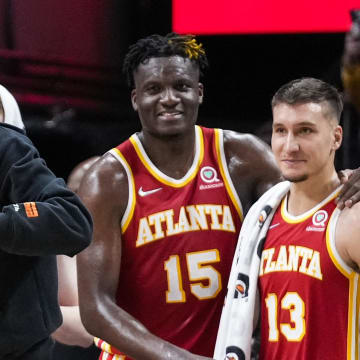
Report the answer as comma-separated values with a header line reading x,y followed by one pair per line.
x,y
104,191
71,331
347,236
67,282
251,164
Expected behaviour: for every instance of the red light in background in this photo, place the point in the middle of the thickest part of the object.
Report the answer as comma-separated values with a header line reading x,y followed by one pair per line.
x,y
205,17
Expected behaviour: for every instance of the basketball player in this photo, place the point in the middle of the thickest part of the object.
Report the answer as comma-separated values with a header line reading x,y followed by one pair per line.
x,y
309,267
167,205
310,262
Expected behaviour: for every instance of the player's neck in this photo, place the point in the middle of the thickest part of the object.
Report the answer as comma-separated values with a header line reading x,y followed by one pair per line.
x,y
305,195
172,156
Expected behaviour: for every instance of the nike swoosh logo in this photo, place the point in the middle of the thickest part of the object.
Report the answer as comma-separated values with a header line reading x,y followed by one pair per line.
x,y
141,192
275,225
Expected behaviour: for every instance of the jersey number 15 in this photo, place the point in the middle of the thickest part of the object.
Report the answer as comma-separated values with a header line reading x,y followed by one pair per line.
x,y
198,269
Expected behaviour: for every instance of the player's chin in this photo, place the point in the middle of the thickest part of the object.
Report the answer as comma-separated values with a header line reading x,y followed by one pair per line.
x,y
174,128
295,178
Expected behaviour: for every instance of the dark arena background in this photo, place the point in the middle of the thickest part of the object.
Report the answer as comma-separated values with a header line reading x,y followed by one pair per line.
x,y
62,61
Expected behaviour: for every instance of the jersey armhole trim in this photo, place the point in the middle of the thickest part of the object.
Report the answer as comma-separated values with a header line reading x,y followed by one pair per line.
x,y
130,207
353,277
337,260
353,318
219,144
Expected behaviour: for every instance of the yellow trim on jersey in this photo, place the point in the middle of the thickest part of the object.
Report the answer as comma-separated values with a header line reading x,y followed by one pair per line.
x,y
353,318
354,287
106,348
298,219
331,248
199,156
357,322
129,212
104,345
225,175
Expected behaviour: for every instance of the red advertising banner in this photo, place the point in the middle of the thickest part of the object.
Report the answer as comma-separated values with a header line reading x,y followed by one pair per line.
x,y
202,17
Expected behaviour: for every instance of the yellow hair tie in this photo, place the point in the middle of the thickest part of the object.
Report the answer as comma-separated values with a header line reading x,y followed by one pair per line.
x,y
193,50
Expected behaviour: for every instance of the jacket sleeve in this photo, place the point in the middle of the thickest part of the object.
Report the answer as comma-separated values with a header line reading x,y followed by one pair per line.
x,y
40,215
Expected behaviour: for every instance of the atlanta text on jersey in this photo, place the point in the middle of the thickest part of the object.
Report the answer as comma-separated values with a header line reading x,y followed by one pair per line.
x,y
191,218
292,258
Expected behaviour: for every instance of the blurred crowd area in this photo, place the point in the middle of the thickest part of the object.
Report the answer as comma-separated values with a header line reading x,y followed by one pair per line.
x,y
62,61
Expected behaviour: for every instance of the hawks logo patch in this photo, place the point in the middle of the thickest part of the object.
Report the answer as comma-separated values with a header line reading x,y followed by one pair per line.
x,y
264,213
234,353
242,286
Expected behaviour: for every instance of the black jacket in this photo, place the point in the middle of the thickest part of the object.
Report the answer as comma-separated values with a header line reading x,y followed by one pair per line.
x,y
40,218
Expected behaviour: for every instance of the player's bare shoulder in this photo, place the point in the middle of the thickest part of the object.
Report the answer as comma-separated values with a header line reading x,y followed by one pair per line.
x,y
348,235
349,220
250,160
106,181
246,148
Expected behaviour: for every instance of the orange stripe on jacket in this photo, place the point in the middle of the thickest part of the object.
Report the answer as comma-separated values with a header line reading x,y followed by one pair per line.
x,y
31,209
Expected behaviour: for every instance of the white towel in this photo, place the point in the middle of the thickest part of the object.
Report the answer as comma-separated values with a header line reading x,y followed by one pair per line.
x,y
241,308
11,109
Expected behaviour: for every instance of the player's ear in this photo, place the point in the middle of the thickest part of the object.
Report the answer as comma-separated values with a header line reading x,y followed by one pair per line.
x,y
338,135
201,93
133,99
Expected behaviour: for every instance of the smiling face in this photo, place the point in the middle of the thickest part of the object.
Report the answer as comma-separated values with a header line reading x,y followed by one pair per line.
x,y
167,95
304,140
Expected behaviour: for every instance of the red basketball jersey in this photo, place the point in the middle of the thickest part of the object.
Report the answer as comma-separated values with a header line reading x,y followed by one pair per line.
x,y
178,242
309,295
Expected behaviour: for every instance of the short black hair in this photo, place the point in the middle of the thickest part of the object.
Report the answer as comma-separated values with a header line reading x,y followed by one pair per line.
x,y
306,90
155,45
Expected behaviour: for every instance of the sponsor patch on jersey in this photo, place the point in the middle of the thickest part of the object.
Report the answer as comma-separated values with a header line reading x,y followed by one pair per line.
x,y
318,220
209,176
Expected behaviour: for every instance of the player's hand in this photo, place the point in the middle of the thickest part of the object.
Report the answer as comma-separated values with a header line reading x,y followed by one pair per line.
x,y
350,192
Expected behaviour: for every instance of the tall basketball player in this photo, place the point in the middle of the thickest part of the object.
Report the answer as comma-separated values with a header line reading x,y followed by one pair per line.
x,y
167,206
